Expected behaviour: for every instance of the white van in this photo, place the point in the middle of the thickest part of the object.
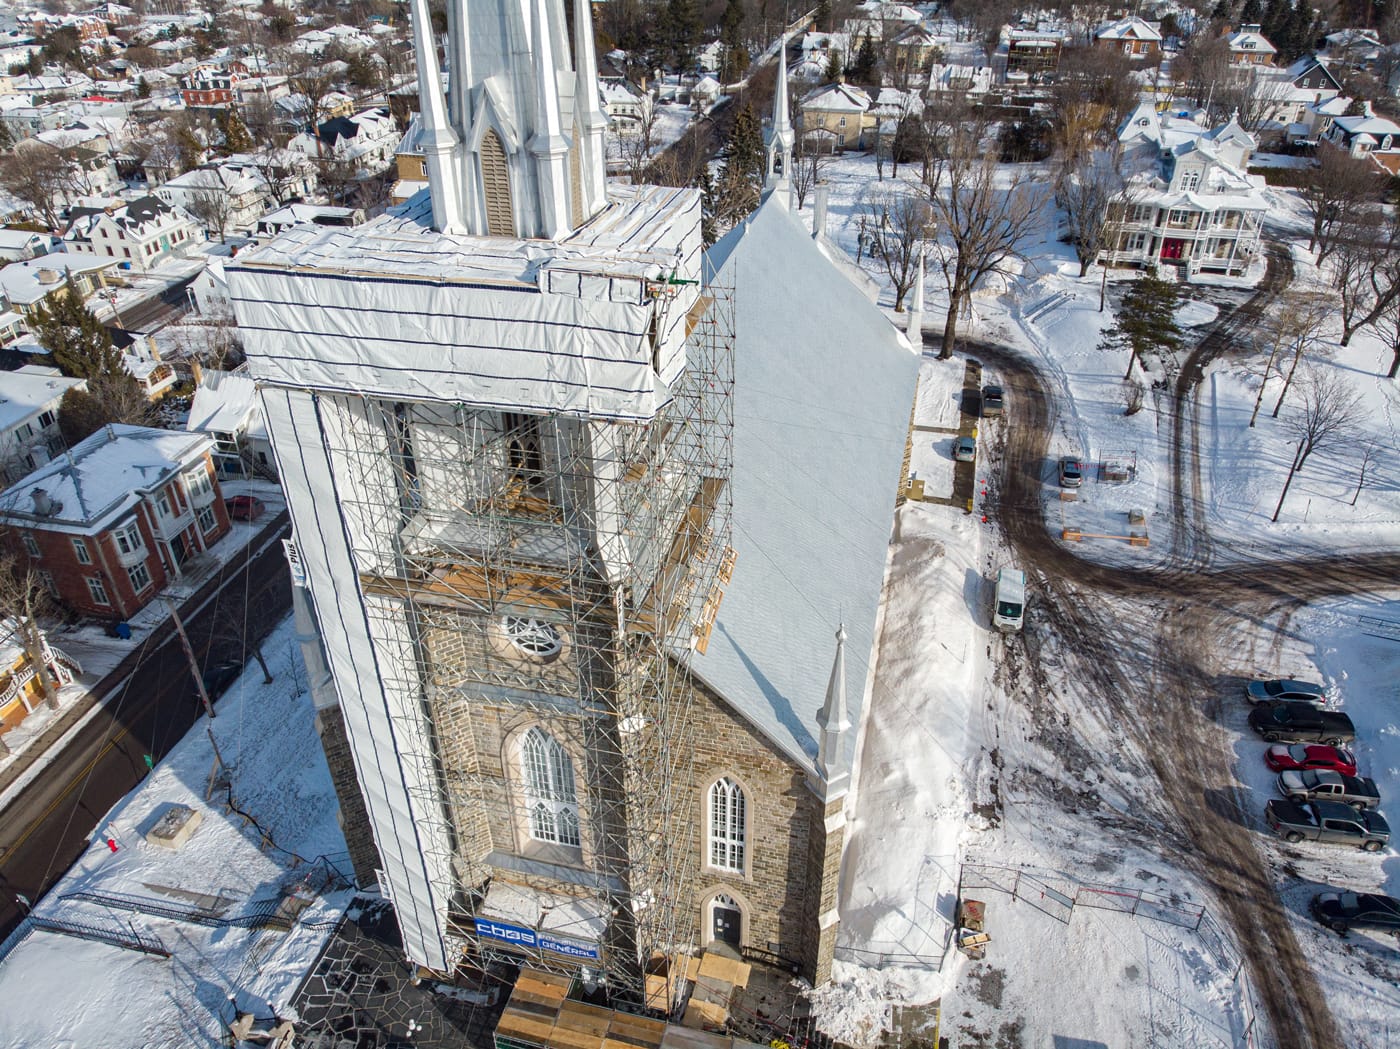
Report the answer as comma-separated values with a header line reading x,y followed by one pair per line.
x,y
1010,602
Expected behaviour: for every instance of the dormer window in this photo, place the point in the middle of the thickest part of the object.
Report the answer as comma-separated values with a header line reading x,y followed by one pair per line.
x,y
1190,180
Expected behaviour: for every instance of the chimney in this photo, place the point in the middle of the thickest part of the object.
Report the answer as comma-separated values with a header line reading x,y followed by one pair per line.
x,y
819,195
43,505
47,276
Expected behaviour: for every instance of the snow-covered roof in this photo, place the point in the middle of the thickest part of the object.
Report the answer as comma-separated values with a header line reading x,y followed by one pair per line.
x,y
27,282
102,477
1131,28
1251,42
225,402
28,390
837,98
1367,124
808,345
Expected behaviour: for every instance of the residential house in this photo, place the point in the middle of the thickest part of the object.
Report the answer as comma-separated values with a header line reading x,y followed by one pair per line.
x,y
1367,135
953,79
410,164
241,190
23,119
1306,82
112,522
29,434
20,689
290,176
12,327
17,245
1138,39
267,87
365,140
1029,53
817,49
913,49
26,284
284,218
209,86
627,106
1249,47
1354,48
1190,202
835,117
53,87
226,408
140,234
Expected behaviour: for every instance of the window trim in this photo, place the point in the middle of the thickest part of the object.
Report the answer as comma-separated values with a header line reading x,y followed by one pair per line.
x,y
80,550
131,572
31,545
97,591
213,519
550,786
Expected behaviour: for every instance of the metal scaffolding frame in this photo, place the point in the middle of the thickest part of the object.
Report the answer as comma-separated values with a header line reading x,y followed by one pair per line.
x,y
521,569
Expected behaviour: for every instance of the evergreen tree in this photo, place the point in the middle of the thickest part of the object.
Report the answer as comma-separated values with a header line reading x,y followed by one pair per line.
x,y
1274,23
862,71
80,415
681,30
1299,35
731,38
1251,13
822,16
143,89
1221,11
236,136
35,65
6,139
80,346
834,66
709,233
741,176
1145,321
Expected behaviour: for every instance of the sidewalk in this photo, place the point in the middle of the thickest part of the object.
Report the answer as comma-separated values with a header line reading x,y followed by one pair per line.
x,y
42,745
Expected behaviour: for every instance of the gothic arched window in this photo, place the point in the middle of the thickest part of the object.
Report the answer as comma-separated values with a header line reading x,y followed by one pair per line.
x,y
548,772
495,182
726,830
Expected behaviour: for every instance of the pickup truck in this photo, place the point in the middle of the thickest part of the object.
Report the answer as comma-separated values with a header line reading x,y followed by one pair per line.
x,y
1324,785
1329,822
1301,723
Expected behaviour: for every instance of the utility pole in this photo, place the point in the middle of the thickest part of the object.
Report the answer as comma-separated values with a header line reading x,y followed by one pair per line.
x,y
189,654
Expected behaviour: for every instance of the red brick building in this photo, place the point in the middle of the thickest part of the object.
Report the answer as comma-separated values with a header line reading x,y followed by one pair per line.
x,y
211,86
108,525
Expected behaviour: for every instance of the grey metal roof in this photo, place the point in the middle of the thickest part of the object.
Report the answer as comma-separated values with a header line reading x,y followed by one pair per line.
x,y
822,392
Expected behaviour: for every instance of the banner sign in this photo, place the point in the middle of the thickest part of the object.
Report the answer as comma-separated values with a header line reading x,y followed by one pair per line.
x,y
520,936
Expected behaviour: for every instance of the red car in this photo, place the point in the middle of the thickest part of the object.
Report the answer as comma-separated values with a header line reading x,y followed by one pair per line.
x,y
244,507
1282,756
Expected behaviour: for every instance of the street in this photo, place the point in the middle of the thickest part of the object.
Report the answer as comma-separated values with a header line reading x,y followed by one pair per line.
x,y
47,827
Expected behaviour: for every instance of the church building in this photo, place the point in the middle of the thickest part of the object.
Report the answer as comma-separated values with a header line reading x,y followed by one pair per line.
x,y
592,524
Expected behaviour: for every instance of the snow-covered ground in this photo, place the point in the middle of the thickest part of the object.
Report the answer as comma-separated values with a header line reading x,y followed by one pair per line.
x,y
946,743
68,993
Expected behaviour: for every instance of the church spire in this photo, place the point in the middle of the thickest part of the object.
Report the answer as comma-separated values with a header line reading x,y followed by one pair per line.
x,y
835,723
438,140
780,137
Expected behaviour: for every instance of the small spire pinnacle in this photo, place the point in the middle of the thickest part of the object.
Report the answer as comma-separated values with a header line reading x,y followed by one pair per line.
x,y
438,139
835,723
780,136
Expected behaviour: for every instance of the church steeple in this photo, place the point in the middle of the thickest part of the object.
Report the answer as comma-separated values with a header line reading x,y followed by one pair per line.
x,y
780,137
516,149
835,723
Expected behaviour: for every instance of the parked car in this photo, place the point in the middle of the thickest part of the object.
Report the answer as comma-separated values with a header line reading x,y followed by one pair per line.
x,y
993,400
1301,723
1328,822
1313,784
964,449
1340,911
1286,691
244,507
1284,756
1071,472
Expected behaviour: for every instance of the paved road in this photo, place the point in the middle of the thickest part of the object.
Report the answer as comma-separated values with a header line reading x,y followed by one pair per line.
x,y
147,711
155,312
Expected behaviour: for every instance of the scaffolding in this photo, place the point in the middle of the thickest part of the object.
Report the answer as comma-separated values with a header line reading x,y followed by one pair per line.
x,y
550,571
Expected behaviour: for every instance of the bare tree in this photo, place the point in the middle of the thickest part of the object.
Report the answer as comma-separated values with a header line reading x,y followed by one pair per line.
x,y
33,172
809,160
981,224
635,145
212,208
121,400
1388,327
1250,95
1088,191
901,221
1202,64
1369,455
1287,331
1365,267
1337,186
1327,418
1094,90
23,600
313,79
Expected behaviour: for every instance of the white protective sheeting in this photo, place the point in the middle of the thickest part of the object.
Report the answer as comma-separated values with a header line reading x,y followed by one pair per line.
x,y
388,738
823,386
591,325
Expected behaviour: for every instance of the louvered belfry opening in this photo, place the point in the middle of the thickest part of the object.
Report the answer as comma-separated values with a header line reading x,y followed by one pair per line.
x,y
495,181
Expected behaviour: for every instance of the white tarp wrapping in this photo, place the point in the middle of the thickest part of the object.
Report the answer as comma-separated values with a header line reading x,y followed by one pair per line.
x,y
388,740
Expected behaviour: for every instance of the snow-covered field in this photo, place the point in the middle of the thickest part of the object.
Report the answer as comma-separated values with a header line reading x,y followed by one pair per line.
x,y
949,749
61,992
